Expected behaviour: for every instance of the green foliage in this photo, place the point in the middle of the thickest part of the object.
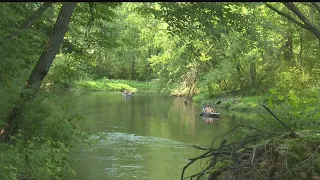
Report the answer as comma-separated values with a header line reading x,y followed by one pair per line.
x,y
20,54
42,145
104,85
220,49
294,79
300,109
64,71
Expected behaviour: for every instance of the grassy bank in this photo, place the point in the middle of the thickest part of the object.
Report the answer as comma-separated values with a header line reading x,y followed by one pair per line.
x,y
114,85
223,100
239,103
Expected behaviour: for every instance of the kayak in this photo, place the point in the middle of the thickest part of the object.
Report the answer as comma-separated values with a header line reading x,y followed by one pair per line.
x,y
210,114
127,94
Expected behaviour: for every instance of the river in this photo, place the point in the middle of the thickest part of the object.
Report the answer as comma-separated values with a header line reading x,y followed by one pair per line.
x,y
146,136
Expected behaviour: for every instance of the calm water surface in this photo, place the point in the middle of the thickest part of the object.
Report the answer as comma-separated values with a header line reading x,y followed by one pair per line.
x,y
147,136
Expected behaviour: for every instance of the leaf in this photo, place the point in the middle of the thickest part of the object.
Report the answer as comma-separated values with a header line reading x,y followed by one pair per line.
x,y
270,104
273,91
281,97
293,97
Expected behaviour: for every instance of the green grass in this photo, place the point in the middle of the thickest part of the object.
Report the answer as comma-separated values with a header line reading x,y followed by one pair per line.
x,y
114,85
140,85
247,103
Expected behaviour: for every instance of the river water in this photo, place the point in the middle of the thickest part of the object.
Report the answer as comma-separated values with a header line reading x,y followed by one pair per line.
x,y
146,136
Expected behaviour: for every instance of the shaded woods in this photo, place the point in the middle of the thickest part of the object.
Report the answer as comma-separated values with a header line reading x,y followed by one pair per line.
x,y
252,53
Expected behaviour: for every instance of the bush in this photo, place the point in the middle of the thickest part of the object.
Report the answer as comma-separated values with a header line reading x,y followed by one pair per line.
x,y
40,149
64,71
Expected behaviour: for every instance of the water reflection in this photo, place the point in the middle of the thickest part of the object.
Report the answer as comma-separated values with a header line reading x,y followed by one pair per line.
x,y
209,120
126,98
147,136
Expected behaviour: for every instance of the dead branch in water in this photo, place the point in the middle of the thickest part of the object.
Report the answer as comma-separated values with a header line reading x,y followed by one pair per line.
x,y
225,150
262,154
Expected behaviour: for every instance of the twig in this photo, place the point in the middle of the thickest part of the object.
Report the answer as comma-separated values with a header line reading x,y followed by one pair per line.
x,y
201,148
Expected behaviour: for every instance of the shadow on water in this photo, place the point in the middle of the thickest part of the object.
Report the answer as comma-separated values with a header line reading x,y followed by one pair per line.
x,y
146,136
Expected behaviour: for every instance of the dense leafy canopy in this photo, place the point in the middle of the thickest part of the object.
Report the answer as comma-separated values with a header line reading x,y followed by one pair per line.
x,y
209,49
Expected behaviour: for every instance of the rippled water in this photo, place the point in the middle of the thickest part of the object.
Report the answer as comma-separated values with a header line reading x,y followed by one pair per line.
x,y
147,136
127,156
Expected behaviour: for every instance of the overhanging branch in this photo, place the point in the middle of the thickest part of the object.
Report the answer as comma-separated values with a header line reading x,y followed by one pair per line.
x,y
286,16
303,18
316,5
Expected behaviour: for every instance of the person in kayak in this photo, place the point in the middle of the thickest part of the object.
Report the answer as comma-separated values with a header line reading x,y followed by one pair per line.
x,y
208,109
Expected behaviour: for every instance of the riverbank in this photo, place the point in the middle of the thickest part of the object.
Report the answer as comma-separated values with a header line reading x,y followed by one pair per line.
x,y
232,102
114,85
225,101
266,155
238,103
228,102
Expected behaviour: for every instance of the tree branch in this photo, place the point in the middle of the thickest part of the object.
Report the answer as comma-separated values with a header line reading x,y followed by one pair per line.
x,y
287,16
31,20
307,4
91,19
304,19
316,5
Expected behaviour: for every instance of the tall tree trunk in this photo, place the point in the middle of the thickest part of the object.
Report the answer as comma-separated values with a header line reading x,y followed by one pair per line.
x,y
133,73
226,84
31,20
238,68
192,89
193,78
148,69
253,74
301,49
42,67
288,50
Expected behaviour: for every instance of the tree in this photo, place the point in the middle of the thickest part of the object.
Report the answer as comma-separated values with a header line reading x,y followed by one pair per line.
x,y
31,20
42,67
303,21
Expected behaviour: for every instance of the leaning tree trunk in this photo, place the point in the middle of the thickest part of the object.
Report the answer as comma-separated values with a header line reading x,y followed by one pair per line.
x,y
42,67
31,20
